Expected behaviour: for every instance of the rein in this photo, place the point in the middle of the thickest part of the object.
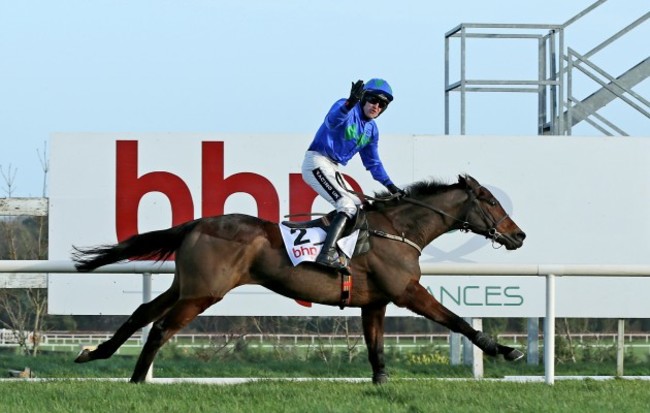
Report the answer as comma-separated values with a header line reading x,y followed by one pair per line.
x,y
491,233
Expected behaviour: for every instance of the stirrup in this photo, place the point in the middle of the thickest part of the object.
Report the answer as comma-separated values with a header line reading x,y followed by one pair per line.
x,y
330,259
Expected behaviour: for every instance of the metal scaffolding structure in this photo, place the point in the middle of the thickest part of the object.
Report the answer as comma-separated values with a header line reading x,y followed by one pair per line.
x,y
559,110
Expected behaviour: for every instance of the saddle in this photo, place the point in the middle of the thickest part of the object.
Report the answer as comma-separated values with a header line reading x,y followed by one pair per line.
x,y
358,222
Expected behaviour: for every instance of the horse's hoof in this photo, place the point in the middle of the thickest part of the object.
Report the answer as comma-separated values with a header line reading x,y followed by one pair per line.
x,y
84,356
514,355
136,381
380,378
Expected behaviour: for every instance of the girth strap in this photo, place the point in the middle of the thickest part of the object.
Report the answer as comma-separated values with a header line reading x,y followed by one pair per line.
x,y
401,238
346,288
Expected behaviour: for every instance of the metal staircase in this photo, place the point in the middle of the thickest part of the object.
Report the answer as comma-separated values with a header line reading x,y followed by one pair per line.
x,y
558,70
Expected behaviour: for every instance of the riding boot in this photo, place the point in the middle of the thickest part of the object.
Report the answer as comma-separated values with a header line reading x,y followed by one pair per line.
x,y
328,255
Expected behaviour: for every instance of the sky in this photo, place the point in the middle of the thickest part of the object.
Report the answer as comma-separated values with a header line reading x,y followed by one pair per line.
x,y
255,66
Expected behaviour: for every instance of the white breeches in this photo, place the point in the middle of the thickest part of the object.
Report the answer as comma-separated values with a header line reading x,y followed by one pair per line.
x,y
323,175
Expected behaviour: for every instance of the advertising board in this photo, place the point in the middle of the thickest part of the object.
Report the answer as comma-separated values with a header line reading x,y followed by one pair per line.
x,y
580,201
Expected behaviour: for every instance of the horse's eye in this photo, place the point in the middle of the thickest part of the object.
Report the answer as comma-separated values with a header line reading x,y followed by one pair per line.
x,y
493,202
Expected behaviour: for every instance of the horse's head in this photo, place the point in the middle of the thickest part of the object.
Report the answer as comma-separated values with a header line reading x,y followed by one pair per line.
x,y
486,216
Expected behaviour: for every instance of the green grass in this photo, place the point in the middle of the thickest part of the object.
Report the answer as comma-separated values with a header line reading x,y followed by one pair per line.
x,y
182,362
416,385
586,396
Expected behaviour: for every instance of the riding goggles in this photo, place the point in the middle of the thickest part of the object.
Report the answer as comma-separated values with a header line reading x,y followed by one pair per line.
x,y
377,100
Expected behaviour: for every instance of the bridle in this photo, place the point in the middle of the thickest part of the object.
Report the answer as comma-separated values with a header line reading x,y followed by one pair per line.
x,y
489,231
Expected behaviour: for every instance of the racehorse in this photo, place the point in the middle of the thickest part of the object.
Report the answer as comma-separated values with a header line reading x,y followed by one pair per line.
x,y
213,255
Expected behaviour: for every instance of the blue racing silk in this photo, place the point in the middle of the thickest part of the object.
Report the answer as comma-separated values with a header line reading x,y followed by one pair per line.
x,y
344,133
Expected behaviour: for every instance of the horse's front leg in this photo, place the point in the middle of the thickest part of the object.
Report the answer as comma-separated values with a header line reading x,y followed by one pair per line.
x,y
417,299
372,318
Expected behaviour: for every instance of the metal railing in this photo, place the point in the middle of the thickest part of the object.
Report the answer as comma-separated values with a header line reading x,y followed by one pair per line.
x,y
550,272
406,340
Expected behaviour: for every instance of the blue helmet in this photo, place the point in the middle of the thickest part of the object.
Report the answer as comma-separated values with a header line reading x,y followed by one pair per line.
x,y
379,87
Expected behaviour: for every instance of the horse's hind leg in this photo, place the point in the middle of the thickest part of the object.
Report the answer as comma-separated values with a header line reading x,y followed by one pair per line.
x,y
417,299
372,318
184,311
143,315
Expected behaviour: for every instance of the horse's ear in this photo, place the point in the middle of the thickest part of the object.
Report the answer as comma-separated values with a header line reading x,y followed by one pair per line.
x,y
468,180
465,180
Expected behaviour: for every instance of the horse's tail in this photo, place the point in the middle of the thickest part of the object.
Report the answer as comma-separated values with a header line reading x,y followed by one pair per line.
x,y
156,245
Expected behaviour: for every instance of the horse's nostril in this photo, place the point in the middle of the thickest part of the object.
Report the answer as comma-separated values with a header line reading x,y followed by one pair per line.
x,y
521,236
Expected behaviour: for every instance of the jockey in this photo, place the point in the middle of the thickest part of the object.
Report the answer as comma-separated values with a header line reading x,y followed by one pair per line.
x,y
349,128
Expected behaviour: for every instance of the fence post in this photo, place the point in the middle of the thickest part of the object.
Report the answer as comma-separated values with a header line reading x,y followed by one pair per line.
x,y
620,347
477,353
146,297
533,341
454,349
549,330
468,352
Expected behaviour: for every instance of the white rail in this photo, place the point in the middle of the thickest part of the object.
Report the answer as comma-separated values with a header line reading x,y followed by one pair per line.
x,y
74,339
549,271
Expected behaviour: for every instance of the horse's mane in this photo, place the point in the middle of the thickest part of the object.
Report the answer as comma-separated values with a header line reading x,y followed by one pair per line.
x,y
416,190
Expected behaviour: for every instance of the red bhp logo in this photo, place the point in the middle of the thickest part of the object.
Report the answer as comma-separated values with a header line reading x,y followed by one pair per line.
x,y
215,189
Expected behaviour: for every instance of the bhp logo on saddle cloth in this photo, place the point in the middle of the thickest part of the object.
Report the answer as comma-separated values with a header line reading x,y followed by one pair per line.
x,y
132,185
304,244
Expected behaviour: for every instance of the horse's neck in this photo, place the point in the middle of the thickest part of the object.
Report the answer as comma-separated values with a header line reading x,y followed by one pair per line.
x,y
444,215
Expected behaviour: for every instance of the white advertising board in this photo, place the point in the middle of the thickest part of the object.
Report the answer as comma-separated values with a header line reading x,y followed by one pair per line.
x,y
580,201
467,296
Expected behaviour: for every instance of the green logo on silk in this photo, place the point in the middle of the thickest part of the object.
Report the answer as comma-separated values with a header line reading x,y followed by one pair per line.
x,y
352,134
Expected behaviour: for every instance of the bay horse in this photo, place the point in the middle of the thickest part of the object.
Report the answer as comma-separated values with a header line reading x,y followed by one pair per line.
x,y
213,255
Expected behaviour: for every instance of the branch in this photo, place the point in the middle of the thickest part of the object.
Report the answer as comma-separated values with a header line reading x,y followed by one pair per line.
x,y
9,179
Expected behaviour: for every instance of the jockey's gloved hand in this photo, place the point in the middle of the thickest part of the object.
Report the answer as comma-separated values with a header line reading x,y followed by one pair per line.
x,y
356,94
396,191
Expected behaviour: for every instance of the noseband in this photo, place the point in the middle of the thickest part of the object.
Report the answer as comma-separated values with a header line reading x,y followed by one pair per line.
x,y
491,232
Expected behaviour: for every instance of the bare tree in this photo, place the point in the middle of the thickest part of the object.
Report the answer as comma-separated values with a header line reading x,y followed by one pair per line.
x,y
23,310
45,165
9,177
24,314
571,348
353,336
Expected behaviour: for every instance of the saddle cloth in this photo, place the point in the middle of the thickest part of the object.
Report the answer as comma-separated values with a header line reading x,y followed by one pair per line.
x,y
304,240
